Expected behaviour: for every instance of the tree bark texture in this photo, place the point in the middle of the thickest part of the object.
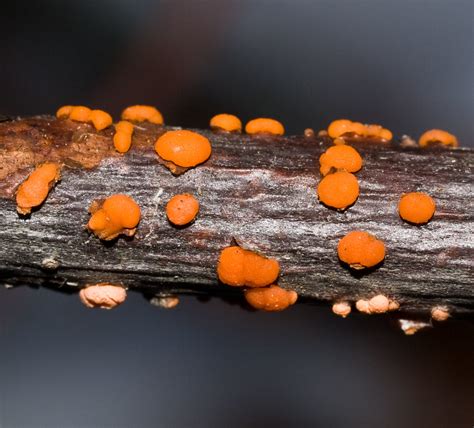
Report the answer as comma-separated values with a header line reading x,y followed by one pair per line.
x,y
257,191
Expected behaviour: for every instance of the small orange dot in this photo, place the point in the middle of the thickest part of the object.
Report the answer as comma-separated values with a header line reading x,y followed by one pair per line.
x,y
182,209
264,125
360,250
439,136
339,190
270,299
416,207
100,119
226,122
340,157
183,148
141,113
80,114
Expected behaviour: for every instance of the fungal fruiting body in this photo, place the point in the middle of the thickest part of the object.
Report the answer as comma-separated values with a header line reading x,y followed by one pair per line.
x,y
105,296
377,305
439,313
410,327
309,132
34,190
341,308
117,215
340,157
123,136
141,113
360,250
182,209
238,267
270,299
264,125
339,190
226,122
438,136
183,148
416,207
342,127
99,118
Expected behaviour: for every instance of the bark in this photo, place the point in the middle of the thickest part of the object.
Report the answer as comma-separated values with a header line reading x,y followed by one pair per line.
x,y
258,191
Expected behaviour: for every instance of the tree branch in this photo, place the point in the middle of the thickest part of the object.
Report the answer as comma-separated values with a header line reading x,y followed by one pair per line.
x,y
260,191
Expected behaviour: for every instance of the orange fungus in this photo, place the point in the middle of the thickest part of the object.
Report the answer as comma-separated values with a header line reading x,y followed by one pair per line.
x,y
438,136
264,126
339,190
340,157
226,122
80,114
238,267
183,148
270,299
123,136
105,296
341,127
100,119
141,113
34,190
416,207
116,215
64,112
360,250
182,209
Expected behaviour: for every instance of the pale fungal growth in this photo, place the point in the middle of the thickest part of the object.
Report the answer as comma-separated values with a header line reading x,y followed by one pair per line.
x,y
165,302
410,327
50,263
440,313
341,308
377,305
105,296
309,132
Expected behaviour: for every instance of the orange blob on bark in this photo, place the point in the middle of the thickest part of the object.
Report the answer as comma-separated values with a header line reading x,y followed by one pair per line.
x,y
238,267
123,136
182,209
34,190
183,148
339,190
340,157
141,113
226,122
264,125
100,119
361,250
116,215
416,207
438,136
270,299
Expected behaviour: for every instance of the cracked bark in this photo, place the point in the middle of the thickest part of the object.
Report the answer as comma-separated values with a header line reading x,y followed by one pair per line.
x,y
259,191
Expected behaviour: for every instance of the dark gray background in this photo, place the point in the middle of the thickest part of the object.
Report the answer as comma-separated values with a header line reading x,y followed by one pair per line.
x,y
405,64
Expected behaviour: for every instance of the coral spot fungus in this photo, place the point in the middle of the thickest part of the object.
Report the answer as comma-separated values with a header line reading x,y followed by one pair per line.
x,y
339,190
377,305
34,190
182,209
439,313
416,207
270,299
264,125
123,136
238,267
117,215
226,122
141,113
438,136
342,127
99,118
360,250
341,308
105,296
183,148
340,157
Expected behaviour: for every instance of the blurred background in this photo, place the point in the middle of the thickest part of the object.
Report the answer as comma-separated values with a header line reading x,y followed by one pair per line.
x,y
407,65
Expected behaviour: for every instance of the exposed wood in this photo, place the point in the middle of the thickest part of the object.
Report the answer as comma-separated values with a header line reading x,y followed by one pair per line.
x,y
259,191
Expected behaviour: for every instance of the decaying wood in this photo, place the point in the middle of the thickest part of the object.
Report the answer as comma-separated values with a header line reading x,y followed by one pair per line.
x,y
258,191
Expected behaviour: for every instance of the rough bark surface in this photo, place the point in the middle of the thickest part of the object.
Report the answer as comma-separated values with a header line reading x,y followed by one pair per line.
x,y
258,191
